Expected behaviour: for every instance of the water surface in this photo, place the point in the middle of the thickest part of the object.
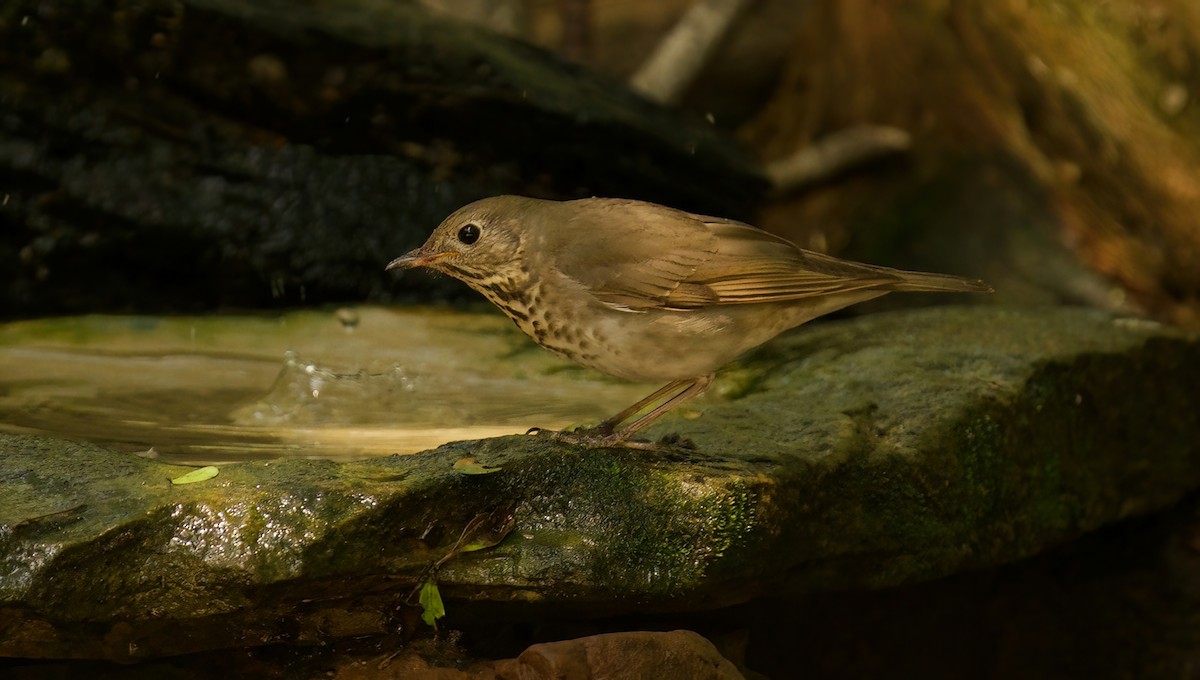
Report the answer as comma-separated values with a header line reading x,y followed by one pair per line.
x,y
341,384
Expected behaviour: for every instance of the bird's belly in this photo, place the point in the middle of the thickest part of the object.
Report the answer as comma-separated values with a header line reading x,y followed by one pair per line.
x,y
660,346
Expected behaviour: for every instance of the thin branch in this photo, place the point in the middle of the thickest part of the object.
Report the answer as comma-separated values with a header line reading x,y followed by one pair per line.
x,y
836,154
684,52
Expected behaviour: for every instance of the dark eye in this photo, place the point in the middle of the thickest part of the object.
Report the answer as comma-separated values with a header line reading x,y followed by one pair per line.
x,y
469,234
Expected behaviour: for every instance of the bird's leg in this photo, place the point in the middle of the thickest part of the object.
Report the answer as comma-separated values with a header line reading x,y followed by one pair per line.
x,y
609,426
606,433
691,388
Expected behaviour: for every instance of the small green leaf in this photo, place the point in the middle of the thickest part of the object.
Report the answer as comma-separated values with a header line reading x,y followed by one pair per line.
x,y
198,475
476,545
431,603
469,466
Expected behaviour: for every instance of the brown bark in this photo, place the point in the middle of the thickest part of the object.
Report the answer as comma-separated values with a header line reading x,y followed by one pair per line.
x,y
1072,120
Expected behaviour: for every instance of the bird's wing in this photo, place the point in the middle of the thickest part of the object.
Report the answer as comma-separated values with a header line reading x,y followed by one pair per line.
x,y
681,261
751,265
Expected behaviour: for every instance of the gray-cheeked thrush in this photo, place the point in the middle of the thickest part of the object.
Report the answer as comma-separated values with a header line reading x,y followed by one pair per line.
x,y
646,292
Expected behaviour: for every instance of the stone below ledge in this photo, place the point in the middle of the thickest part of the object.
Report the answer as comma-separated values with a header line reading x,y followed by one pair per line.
x,y
859,454
633,654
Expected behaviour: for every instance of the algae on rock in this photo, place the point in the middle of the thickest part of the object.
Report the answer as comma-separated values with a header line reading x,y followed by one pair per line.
x,y
864,453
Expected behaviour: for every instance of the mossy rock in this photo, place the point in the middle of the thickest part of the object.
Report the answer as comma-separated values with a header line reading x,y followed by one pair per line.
x,y
867,453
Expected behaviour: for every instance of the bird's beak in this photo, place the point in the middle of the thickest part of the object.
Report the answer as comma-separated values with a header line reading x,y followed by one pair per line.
x,y
418,258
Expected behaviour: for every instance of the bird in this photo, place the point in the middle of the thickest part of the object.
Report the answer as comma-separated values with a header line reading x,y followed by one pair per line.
x,y
646,292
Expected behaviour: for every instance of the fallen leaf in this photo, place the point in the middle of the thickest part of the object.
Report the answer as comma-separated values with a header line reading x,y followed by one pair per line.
x,y
198,475
469,466
431,603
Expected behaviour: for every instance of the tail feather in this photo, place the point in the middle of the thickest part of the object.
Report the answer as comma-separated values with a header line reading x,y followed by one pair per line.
x,y
891,279
921,282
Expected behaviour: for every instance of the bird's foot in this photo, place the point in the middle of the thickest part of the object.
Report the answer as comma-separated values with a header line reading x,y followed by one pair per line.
x,y
591,438
677,441
605,438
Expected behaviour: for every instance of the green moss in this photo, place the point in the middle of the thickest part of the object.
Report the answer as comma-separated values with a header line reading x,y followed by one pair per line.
x,y
881,451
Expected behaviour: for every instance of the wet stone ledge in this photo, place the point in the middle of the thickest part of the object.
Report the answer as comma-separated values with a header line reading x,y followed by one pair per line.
x,y
869,453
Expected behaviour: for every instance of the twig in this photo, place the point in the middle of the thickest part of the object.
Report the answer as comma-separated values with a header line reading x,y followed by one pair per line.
x,y
683,52
835,154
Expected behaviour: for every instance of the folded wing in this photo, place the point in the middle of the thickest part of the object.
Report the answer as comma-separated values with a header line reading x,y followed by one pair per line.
x,y
681,261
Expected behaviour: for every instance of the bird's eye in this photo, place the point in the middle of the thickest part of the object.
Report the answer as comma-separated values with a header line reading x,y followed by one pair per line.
x,y
469,234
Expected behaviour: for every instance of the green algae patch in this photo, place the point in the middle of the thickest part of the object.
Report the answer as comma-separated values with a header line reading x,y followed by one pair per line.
x,y
651,526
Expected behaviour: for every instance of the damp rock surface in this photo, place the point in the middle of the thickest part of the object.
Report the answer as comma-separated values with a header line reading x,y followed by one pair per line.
x,y
870,453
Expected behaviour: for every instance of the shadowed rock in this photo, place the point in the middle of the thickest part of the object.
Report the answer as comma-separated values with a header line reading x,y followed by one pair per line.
x,y
177,156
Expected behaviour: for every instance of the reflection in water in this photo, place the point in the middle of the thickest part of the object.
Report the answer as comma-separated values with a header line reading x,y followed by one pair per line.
x,y
218,389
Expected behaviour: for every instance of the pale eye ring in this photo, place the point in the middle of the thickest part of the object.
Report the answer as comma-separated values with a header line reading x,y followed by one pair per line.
x,y
469,234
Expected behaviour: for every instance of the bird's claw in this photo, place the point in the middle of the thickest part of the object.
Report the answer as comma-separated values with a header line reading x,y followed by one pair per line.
x,y
590,437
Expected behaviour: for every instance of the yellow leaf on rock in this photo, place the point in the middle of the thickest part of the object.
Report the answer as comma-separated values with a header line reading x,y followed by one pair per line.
x,y
198,475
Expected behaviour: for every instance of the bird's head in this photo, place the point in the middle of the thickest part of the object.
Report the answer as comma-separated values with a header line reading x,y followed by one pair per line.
x,y
478,240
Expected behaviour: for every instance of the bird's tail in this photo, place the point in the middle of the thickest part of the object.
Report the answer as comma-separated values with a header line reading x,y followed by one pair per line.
x,y
921,282
889,279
